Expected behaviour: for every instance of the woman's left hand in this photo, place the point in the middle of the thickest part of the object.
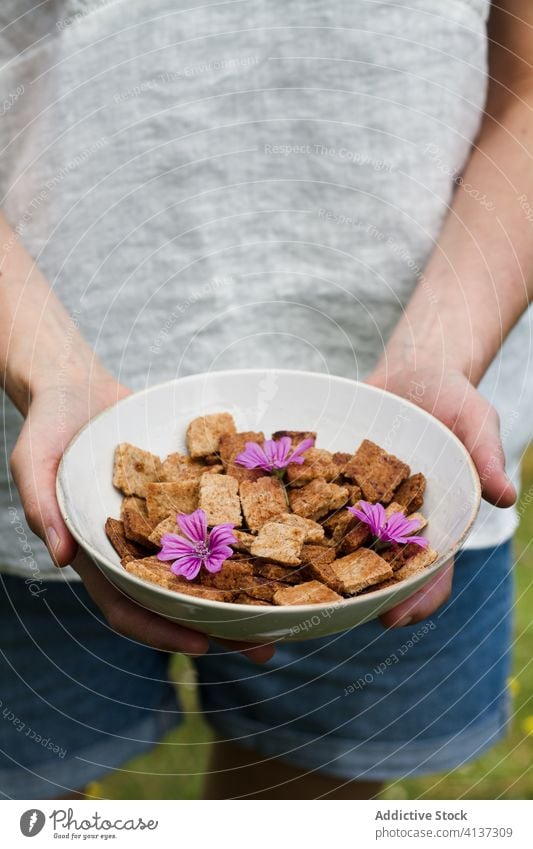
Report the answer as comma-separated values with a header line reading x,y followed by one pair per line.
x,y
450,397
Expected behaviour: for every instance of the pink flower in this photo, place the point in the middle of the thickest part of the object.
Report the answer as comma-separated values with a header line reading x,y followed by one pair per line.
x,y
274,455
197,548
396,528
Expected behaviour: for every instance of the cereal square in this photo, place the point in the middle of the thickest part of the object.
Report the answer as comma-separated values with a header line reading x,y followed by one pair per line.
x,y
394,507
355,493
165,499
416,563
177,467
133,502
310,592
219,497
325,574
361,569
355,536
314,532
124,547
398,555
314,554
317,560
232,444
337,526
152,570
275,572
376,472
410,493
234,575
383,585
280,543
340,458
317,498
166,526
317,463
138,526
204,432
262,501
244,541
134,468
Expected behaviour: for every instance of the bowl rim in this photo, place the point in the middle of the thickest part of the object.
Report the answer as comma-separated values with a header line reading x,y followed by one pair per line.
x,y
286,610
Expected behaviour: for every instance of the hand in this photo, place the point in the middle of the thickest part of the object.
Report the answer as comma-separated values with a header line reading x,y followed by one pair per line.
x,y
56,413
450,397
130,619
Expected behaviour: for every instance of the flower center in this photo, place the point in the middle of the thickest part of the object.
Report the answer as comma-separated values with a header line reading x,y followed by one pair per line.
x,y
202,549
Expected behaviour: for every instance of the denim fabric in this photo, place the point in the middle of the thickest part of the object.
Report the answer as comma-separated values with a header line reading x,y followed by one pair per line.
x,y
381,703
76,699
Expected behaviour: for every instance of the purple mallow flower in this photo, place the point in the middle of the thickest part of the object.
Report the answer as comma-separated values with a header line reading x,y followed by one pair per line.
x,y
396,528
274,455
198,547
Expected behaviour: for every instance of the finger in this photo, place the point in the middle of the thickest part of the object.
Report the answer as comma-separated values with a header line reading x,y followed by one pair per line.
x,y
423,603
131,620
257,653
478,428
34,464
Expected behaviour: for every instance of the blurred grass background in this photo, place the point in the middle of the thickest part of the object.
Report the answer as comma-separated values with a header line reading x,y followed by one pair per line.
x,y
174,770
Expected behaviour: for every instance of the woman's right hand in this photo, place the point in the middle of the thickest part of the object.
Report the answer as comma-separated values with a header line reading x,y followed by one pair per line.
x,y
58,409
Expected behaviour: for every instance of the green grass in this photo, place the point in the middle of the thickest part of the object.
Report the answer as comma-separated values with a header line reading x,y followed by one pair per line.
x,y
173,770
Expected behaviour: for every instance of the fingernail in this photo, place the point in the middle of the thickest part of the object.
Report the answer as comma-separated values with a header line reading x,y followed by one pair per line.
x,y
259,657
403,622
52,540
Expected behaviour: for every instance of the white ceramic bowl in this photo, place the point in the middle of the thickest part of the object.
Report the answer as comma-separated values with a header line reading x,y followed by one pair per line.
x,y
342,411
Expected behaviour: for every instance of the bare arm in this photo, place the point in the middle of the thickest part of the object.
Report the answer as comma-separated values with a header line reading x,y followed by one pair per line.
x,y
43,359
479,279
33,327
58,383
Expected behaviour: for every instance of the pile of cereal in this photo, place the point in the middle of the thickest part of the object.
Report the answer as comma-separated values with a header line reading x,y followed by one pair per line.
x,y
263,521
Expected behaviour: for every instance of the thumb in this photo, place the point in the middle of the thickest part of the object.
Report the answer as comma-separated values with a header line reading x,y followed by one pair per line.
x,y
34,464
478,428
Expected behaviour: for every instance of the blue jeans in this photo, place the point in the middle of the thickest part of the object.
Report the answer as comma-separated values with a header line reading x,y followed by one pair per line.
x,y
78,700
378,704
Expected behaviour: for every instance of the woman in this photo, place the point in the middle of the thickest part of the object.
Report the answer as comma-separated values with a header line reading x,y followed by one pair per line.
x,y
189,187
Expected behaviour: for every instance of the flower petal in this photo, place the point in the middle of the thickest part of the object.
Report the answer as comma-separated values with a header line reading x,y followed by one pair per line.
x,y
278,450
214,561
187,566
194,525
253,457
221,551
221,535
398,519
304,445
421,541
174,546
372,514
398,527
